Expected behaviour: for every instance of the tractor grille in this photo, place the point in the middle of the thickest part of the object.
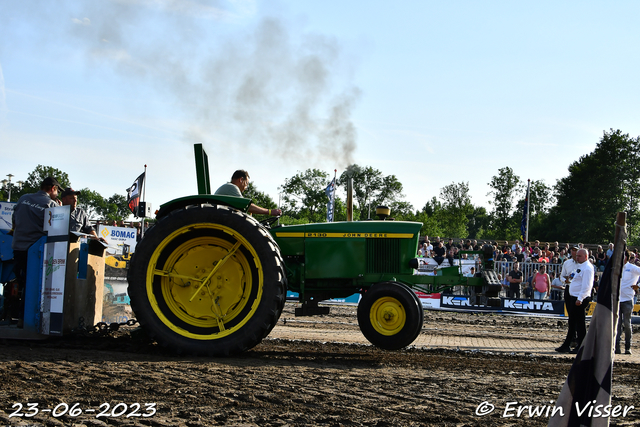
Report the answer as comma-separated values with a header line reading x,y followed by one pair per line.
x,y
383,255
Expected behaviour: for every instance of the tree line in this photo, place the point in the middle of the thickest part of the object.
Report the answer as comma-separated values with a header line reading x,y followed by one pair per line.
x,y
97,207
580,207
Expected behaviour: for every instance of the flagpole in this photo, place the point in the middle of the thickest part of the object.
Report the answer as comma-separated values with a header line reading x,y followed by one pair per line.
x,y
144,192
526,238
333,202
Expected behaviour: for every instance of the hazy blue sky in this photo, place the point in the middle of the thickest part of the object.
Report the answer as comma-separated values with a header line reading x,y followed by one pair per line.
x,y
432,92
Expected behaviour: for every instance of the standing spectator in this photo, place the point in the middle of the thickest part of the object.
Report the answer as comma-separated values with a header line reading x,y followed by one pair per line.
x,y
516,245
514,278
451,254
508,256
422,249
78,221
519,256
542,284
449,244
610,251
543,257
568,266
563,256
528,290
601,258
628,286
429,248
28,223
439,252
577,298
557,288
535,254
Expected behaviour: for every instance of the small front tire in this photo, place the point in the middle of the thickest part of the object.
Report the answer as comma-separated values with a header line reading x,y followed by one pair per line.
x,y
390,316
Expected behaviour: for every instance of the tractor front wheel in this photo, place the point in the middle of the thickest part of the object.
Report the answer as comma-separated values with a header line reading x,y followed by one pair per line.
x,y
390,316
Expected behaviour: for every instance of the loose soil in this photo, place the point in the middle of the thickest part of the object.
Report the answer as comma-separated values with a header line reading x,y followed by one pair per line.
x,y
309,371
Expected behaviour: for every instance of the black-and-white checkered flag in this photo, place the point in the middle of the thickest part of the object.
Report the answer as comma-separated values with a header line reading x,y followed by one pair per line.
x,y
587,390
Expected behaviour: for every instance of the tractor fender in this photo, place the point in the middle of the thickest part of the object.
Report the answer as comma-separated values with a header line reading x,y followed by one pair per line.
x,y
239,203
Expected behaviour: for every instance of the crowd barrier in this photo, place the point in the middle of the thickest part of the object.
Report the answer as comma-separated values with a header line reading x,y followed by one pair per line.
x,y
438,301
501,267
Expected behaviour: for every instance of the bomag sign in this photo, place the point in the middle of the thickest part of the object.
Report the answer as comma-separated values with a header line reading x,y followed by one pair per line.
x,y
118,237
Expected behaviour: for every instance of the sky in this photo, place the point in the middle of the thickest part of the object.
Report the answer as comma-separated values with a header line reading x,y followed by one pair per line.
x,y
432,92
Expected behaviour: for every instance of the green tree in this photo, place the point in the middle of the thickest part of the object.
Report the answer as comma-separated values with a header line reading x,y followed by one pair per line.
x,y
456,206
32,184
371,189
428,216
599,185
304,195
478,222
115,208
260,199
503,193
91,202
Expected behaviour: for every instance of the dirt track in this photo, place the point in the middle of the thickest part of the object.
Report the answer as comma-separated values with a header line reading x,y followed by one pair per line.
x,y
310,371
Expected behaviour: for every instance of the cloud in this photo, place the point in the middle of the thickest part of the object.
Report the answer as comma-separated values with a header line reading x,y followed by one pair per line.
x,y
83,21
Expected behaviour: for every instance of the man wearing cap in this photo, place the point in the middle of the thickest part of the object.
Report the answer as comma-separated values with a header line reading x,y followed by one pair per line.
x,y
239,183
28,223
79,221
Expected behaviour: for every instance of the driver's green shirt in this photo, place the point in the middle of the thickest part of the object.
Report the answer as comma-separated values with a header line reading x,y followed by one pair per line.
x,y
229,189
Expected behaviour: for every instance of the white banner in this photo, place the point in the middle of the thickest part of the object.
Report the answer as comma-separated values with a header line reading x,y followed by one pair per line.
x,y
118,237
54,269
6,214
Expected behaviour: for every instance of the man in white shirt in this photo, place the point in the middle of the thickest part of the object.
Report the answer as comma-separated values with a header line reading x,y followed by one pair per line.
x,y
630,275
568,267
577,297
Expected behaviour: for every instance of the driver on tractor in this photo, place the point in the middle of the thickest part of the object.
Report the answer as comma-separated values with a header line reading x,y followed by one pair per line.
x,y
239,183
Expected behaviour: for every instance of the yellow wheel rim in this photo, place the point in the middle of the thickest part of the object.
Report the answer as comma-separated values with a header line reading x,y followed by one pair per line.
x,y
387,316
195,298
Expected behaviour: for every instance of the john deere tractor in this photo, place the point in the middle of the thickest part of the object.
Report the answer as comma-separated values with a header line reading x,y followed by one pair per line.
x,y
210,279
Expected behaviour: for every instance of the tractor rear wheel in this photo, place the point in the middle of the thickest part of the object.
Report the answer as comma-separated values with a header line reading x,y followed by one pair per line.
x,y
390,315
207,280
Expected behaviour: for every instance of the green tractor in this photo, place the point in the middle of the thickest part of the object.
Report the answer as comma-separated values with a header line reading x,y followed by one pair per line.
x,y
210,279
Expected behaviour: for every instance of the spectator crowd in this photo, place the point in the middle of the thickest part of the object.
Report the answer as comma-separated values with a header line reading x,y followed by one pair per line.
x,y
526,269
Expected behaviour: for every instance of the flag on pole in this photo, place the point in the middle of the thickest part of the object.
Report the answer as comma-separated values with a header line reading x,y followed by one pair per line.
x,y
331,194
587,391
133,194
524,225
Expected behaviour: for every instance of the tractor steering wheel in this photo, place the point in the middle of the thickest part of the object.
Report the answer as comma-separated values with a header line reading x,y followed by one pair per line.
x,y
269,221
